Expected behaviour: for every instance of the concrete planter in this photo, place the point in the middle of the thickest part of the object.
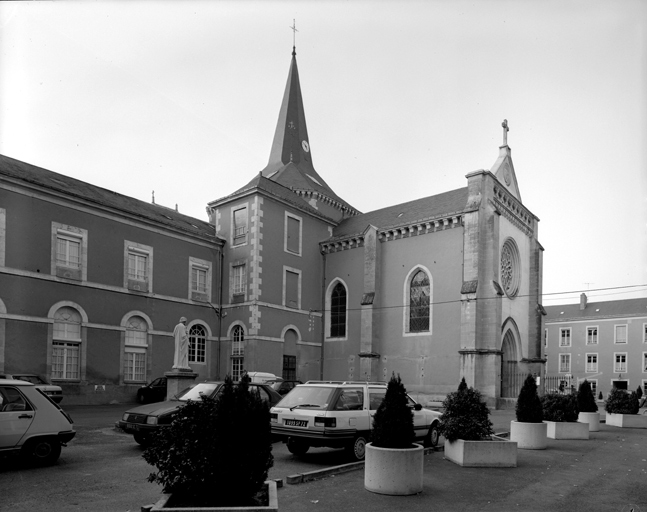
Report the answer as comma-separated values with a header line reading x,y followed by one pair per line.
x,y
627,420
567,430
529,436
494,453
272,506
592,418
394,471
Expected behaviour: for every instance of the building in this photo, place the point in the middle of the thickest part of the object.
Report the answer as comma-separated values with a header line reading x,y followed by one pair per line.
x,y
307,286
602,342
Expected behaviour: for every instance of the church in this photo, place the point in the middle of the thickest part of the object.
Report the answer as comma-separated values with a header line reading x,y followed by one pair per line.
x,y
433,289
285,277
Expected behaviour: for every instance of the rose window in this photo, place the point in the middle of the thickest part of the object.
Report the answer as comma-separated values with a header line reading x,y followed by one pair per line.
x,y
510,272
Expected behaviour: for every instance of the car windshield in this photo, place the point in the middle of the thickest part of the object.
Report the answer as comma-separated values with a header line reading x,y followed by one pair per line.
x,y
315,397
204,388
34,379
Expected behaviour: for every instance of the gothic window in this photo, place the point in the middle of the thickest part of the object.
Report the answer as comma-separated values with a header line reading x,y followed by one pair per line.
x,y
419,301
237,352
198,340
510,268
338,311
66,345
135,348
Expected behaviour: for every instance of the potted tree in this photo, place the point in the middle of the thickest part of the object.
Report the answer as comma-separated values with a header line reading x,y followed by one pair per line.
x,y
469,438
529,430
560,414
216,454
394,464
622,410
588,407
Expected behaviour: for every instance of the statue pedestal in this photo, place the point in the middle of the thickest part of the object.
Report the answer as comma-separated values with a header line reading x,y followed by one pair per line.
x,y
178,380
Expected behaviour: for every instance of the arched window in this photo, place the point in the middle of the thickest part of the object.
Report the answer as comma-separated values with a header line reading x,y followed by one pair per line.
x,y
338,311
135,348
419,295
198,340
66,344
237,352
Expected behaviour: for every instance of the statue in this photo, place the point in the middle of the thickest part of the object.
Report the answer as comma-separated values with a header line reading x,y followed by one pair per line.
x,y
181,359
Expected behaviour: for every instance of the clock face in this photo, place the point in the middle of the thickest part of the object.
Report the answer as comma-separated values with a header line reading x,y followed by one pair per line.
x,y
305,145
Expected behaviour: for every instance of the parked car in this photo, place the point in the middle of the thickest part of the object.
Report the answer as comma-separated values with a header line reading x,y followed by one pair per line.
x,y
144,420
54,392
340,415
153,392
32,424
283,387
263,377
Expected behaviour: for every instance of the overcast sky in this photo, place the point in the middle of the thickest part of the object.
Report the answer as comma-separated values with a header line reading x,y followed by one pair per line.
x,y
402,100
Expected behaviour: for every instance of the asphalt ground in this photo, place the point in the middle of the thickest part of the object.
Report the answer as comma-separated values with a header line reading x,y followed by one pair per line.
x,y
608,472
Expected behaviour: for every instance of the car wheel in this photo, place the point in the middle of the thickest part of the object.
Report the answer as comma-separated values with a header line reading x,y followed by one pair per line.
x,y
43,451
357,450
141,439
297,447
433,436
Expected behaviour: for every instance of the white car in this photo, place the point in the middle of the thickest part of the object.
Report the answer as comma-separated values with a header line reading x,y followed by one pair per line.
x,y
340,414
31,423
51,390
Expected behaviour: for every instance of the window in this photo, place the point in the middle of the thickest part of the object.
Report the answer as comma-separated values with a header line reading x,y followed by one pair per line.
x,y
292,242
594,387
238,282
135,348
564,363
12,400
200,280
3,231
138,267
289,368
69,252
198,340
591,335
620,365
239,225
565,337
375,397
644,333
350,399
620,334
66,344
510,268
419,300
291,288
338,311
644,362
591,363
237,352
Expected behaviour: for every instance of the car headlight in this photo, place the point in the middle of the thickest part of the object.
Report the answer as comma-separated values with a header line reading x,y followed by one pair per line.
x,y
151,420
125,417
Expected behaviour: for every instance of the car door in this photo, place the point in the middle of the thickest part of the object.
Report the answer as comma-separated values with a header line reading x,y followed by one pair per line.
x,y
16,416
350,411
158,387
420,425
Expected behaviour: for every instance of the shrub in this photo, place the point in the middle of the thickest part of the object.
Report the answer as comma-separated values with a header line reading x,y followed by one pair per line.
x,y
558,407
529,409
466,416
585,398
600,396
215,448
621,402
463,385
639,392
393,420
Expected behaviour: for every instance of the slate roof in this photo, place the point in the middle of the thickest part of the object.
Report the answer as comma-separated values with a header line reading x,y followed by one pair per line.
x,y
611,308
404,214
85,192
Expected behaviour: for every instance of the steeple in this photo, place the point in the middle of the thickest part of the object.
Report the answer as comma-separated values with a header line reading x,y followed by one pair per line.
x,y
503,168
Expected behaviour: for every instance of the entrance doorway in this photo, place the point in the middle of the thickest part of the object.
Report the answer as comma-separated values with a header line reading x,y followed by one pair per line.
x,y
510,376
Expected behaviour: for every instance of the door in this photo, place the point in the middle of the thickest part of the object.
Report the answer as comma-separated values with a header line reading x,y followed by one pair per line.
x,y
509,367
16,416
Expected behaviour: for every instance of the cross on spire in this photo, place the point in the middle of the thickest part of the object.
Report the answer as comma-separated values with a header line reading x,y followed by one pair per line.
x,y
505,131
294,36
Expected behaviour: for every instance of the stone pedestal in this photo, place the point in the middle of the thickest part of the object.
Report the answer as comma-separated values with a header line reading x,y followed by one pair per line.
x,y
178,380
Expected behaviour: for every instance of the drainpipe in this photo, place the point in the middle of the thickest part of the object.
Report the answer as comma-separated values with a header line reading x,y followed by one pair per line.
x,y
220,315
323,317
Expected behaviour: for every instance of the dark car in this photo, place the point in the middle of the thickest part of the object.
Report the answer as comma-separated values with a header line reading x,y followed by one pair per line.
x,y
283,387
153,392
142,421
51,390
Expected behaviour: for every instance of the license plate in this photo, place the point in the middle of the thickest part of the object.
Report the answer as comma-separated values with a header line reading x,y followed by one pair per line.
x,y
295,423
132,426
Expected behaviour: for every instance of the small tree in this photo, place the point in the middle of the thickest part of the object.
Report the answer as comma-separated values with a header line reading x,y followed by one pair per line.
x,y
600,396
621,402
215,448
558,407
585,398
466,415
529,408
393,420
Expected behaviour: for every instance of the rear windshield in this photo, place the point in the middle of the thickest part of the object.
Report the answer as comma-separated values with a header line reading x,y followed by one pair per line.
x,y
204,388
308,397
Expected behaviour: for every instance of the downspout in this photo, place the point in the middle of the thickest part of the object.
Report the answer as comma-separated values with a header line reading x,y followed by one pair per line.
x,y
323,317
220,315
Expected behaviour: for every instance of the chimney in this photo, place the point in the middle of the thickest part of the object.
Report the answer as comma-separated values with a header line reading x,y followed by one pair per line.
x,y
582,301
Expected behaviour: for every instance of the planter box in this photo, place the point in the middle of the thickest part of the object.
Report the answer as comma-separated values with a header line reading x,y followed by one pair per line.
x,y
494,453
394,471
567,430
529,436
627,420
592,418
272,506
